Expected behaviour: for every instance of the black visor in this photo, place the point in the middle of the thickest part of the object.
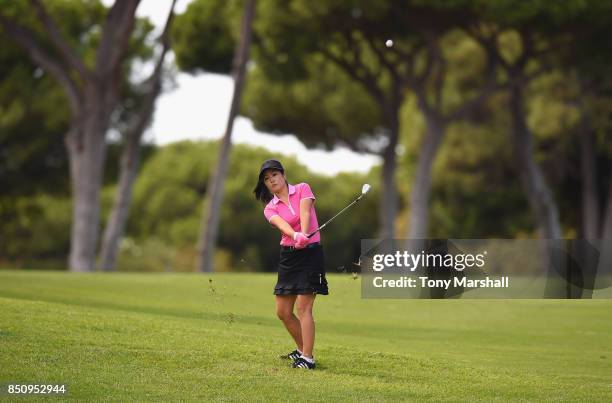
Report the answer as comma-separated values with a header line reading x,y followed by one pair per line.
x,y
271,164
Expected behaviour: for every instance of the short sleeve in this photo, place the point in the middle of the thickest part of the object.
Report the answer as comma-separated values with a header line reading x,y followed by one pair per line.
x,y
306,192
270,212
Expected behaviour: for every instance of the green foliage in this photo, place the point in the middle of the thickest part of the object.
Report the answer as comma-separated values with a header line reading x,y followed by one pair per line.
x,y
176,176
34,114
552,106
33,118
327,108
203,38
541,13
35,229
475,191
292,80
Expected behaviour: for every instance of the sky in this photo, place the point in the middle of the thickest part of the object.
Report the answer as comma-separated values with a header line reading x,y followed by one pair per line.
x,y
198,107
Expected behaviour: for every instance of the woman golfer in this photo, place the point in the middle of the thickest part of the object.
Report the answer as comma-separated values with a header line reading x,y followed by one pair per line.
x,y
301,273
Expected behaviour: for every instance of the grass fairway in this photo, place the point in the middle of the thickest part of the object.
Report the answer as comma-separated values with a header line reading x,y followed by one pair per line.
x,y
166,337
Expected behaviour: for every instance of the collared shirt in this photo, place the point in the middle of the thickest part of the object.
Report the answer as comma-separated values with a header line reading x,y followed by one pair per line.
x,y
291,212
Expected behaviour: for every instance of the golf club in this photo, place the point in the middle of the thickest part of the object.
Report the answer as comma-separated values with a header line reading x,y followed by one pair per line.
x,y
365,189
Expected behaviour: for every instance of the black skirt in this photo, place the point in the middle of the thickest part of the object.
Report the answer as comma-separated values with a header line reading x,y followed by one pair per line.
x,y
301,271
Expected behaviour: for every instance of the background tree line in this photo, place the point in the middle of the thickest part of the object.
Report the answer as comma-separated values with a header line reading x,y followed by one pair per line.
x,y
492,120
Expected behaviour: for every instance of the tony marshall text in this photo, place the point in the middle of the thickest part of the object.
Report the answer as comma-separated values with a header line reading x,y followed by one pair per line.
x,y
411,282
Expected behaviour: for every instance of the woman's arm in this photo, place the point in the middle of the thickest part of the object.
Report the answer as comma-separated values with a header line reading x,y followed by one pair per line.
x,y
305,206
282,225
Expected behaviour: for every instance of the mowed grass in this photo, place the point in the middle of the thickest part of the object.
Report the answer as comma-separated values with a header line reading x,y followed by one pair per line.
x,y
194,337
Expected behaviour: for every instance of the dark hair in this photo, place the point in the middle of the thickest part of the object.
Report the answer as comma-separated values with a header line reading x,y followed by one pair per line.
x,y
261,192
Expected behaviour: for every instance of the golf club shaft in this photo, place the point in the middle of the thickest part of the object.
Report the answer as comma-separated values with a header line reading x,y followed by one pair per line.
x,y
340,212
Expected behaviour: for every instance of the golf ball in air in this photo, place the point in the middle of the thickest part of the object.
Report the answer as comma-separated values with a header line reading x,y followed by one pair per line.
x,y
389,43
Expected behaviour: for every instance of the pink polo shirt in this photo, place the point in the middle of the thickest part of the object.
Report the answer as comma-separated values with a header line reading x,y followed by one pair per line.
x,y
291,212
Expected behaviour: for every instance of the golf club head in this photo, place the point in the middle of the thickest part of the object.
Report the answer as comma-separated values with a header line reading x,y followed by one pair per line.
x,y
365,189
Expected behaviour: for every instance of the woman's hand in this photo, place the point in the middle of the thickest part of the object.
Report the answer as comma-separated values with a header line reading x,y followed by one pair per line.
x,y
300,240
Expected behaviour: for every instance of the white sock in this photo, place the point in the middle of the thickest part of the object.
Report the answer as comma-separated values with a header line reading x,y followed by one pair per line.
x,y
310,360
299,351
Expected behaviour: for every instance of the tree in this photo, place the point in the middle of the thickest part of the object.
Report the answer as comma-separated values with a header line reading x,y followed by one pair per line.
x,y
298,41
93,93
587,60
444,95
212,204
196,51
130,157
589,57
540,31
516,66
527,41
35,113
351,37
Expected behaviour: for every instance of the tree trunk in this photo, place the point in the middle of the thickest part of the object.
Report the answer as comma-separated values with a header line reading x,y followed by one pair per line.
x,y
606,229
605,244
212,204
538,193
130,158
590,197
541,201
92,95
419,196
388,195
87,151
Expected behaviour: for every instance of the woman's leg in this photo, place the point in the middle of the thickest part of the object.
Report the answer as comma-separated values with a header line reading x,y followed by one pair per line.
x,y
304,311
284,310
